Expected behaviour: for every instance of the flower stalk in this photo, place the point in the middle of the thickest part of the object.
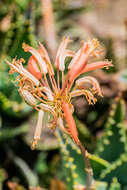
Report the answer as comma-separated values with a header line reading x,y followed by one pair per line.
x,y
89,172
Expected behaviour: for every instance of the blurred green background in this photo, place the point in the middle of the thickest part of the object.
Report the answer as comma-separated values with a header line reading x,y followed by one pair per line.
x,y
56,162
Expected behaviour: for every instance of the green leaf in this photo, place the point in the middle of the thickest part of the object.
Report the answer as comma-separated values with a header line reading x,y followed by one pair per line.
x,y
116,169
113,142
97,164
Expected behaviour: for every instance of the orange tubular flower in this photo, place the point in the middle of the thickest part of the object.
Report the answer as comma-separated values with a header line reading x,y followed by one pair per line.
x,y
33,68
96,65
52,96
70,122
77,65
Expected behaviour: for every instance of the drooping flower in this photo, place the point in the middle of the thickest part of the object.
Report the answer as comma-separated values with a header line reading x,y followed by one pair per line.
x,y
54,96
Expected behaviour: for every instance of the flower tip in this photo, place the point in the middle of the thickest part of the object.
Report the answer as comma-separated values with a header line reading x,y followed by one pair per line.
x,y
34,143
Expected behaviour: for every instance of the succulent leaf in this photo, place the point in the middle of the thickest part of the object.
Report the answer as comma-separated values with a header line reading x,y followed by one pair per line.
x,y
114,134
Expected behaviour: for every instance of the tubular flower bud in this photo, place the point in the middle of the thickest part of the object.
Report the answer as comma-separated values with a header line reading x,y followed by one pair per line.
x,y
38,129
62,53
80,59
75,59
80,63
23,72
33,68
54,95
36,54
70,122
45,56
97,65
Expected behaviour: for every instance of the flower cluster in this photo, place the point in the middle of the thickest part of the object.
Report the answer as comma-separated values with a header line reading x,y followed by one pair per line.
x,y
38,87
